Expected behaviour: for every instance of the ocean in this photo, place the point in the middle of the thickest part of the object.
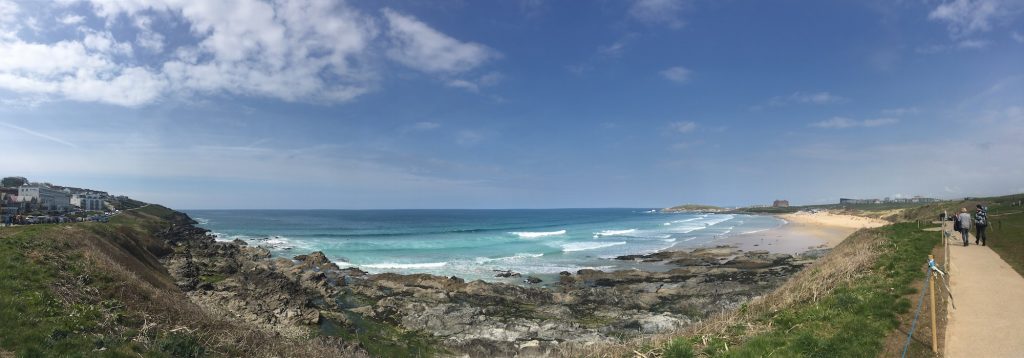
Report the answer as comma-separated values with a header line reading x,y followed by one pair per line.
x,y
472,244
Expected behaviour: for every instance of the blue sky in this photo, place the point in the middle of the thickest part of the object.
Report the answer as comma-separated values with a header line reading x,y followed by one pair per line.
x,y
516,104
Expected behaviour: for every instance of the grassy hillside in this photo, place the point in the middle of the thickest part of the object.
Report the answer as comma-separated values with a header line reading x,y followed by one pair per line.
x,y
843,306
693,207
1006,228
98,289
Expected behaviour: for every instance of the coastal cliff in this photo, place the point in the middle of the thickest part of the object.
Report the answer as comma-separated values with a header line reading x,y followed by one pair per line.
x,y
226,298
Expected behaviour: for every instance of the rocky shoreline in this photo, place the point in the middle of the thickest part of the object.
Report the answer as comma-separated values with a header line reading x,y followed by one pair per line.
x,y
308,294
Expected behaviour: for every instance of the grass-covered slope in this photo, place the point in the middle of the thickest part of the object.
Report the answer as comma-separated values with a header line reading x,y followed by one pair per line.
x,y
843,306
99,289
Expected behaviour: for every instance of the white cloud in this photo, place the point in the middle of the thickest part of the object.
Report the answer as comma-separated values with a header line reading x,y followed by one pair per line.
x,y
39,135
968,17
71,20
468,137
877,122
421,47
475,84
147,38
683,126
803,98
843,122
1017,37
84,71
616,48
972,44
816,98
304,50
676,74
659,12
8,11
425,126
902,111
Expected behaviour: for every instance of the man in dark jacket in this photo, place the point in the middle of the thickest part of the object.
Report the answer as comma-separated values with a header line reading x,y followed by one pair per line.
x,y
980,224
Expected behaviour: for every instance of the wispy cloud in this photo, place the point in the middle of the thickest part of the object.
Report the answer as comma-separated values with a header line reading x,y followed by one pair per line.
x,y
1017,37
476,84
967,17
964,44
683,126
421,47
425,126
616,48
818,98
468,137
39,135
843,122
901,111
658,12
71,20
678,74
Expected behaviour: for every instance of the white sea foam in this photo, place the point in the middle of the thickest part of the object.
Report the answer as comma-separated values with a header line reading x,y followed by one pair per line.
x,y
201,221
754,231
669,240
536,234
615,232
392,265
668,224
583,246
483,260
689,238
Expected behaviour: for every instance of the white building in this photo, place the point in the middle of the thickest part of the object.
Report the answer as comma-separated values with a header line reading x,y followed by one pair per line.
x,y
46,198
88,201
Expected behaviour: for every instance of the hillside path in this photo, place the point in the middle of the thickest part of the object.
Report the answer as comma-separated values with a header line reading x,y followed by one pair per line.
x,y
989,318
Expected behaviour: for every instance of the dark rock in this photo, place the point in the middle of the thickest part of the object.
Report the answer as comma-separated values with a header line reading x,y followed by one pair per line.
x,y
532,280
506,273
240,242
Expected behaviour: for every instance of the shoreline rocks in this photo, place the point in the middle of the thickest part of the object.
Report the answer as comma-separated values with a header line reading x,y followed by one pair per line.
x,y
309,292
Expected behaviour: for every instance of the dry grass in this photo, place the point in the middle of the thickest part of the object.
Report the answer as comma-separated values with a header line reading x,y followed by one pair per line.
x,y
148,294
843,264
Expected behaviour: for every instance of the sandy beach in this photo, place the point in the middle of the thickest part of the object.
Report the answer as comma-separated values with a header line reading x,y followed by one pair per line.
x,y
804,231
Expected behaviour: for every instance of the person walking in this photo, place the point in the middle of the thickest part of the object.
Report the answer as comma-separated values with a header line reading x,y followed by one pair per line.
x,y
965,224
980,224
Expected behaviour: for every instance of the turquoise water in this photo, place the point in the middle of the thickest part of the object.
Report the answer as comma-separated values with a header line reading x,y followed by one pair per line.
x,y
473,243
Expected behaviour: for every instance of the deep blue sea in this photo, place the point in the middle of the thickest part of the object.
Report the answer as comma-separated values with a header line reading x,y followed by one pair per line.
x,y
473,243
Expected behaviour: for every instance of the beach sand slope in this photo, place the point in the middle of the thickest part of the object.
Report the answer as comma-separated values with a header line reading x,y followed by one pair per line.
x,y
804,231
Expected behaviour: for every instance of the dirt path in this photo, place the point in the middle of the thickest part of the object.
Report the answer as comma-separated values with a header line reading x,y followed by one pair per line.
x,y
988,320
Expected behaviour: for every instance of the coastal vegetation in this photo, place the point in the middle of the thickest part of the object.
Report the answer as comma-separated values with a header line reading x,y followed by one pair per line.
x,y
149,283
693,207
844,306
851,302
98,289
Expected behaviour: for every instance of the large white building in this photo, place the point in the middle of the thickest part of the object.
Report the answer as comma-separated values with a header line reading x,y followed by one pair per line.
x,y
46,198
88,201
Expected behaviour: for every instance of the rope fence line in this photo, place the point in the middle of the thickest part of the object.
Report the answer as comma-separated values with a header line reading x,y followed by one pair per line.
x,y
931,273
917,313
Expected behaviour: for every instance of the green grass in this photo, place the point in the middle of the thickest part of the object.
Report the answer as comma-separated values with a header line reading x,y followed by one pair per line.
x,y
34,265
35,322
852,321
1006,235
381,339
1005,229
